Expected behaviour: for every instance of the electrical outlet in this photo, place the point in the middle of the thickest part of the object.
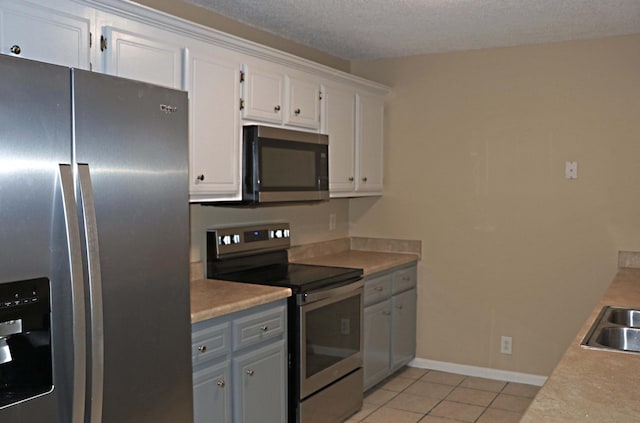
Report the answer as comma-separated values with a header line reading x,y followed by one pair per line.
x,y
332,221
506,344
345,326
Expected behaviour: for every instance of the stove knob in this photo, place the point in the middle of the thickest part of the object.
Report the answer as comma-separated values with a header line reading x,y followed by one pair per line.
x,y
279,233
286,233
236,239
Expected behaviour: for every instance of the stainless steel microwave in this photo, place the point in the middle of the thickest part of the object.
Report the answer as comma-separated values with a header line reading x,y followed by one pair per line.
x,y
283,165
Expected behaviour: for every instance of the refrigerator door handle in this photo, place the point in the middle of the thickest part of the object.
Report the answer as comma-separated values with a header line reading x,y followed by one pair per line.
x,y
77,293
95,292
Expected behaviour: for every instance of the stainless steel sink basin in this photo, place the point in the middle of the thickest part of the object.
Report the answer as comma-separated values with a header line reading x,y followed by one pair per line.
x,y
625,317
626,339
615,329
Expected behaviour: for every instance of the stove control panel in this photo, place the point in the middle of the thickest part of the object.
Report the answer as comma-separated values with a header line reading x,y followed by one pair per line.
x,y
247,239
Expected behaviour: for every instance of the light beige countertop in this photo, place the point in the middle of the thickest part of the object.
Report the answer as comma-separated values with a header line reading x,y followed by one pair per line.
x,y
594,385
212,298
369,261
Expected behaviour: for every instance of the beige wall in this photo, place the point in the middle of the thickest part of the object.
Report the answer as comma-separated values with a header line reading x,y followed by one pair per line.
x,y
476,144
222,23
309,222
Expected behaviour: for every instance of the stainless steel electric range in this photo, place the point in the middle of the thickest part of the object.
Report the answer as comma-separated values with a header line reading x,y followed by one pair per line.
x,y
325,316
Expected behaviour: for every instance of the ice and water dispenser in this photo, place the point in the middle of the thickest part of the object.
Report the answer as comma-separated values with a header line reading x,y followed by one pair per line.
x,y
25,340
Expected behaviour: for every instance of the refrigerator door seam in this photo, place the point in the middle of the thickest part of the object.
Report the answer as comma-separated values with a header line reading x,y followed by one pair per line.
x,y
77,292
95,292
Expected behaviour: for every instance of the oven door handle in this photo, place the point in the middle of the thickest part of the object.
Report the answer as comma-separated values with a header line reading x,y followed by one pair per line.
x,y
334,290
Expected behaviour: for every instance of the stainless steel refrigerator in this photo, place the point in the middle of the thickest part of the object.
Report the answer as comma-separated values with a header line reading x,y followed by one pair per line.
x,y
94,266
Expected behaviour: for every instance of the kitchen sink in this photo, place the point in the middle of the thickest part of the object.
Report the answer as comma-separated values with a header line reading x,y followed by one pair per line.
x,y
615,329
625,317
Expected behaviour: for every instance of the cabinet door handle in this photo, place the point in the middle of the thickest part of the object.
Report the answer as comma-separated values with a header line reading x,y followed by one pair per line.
x,y
250,372
386,313
15,49
364,179
379,288
399,307
351,178
277,108
264,328
202,348
220,383
296,112
200,177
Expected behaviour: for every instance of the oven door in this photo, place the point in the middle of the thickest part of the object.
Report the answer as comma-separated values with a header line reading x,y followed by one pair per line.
x,y
331,336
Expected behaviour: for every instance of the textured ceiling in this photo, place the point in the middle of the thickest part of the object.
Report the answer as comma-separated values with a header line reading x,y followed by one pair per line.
x,y
371,29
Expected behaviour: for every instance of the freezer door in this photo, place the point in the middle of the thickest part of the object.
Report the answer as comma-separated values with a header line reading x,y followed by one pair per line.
x,y
132,137
35,134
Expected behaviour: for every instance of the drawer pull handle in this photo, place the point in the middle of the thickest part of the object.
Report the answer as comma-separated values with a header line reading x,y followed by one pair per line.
x,y
250,372
264,328
406,278
277,108
202,348
296,112
221,383
379,288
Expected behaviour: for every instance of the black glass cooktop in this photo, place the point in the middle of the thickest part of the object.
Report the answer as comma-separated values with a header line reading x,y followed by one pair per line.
x,y
270,269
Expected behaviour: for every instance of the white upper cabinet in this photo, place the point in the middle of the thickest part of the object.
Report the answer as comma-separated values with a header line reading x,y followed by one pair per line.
x,y
369,143
303,105
60,36
137,51
273,95
339,122
262,94
231,82
213,80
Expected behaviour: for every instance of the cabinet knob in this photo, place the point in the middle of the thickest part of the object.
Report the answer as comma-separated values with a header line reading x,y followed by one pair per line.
x,y
15,49
202,348
351,178
277,108
296,112
220,383
250,372
264,328
200,177
364,179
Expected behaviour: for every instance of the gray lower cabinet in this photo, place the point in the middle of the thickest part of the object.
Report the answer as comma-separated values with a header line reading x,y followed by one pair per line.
x,y
389,322
240,366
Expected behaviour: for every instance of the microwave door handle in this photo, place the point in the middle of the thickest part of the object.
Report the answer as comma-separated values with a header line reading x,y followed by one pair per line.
x,y
95,292
72,228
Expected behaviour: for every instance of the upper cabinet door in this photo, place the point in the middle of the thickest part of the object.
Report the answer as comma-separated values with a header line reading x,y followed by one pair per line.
x,y
262,94
303,103
214,96
339,123
369,136
144,55
39,33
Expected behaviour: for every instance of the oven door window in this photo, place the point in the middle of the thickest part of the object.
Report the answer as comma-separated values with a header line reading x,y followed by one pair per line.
x,y
291,166
332,334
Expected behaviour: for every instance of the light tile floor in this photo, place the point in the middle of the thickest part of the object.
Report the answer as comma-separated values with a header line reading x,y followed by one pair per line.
x,y
429,396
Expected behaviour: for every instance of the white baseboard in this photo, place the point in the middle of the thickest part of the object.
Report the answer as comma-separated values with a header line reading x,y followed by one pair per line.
x,y
485,372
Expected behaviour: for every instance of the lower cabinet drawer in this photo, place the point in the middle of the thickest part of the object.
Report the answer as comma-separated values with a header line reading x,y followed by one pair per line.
x,y
258,327
210,342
